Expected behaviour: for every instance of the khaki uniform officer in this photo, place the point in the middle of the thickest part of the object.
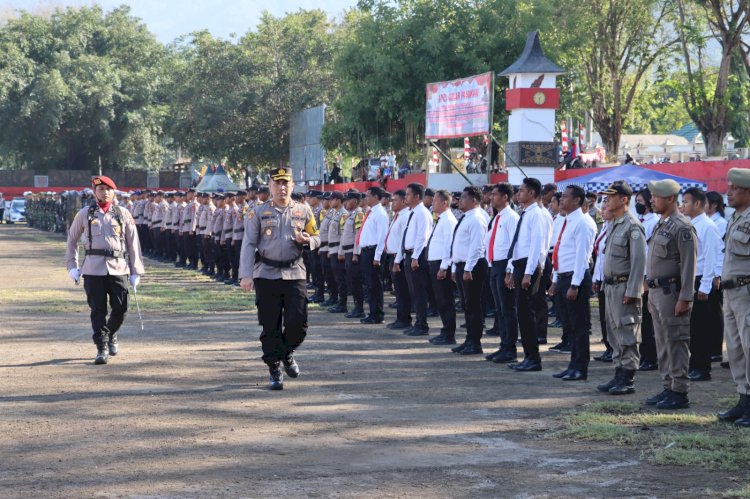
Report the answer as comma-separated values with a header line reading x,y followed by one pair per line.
x,y
276,233
735,282
624,264
670,274
335,227
350,223
112,252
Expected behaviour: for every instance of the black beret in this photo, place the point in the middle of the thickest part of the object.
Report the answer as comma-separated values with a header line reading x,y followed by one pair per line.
x,y
337,195
263,189
352,196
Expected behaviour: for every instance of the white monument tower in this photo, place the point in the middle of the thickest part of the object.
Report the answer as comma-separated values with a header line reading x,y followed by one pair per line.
x,y
532,98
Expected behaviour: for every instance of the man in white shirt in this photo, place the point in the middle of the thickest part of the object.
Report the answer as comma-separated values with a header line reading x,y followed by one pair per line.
x,y
393,238
439,260
498,242
524,269
715,211
706,304
412,253
470,266
571,276
368,249
647,348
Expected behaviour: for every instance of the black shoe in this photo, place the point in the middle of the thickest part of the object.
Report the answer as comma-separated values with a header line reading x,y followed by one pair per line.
x,y
658,398
575,375
337,309
231,282
432,313
398,325
415,331
604,357
604,387
459,348
698,375
329,302
317,298
102,356
291,367
357,313
558,348
370,320
506,357
562,374
555,323
112,345
276,382
716,358
492,355
625,384
471,349
541,341
463,325
736,412
528,365
674,401
492,332
648,366
724,365
443,340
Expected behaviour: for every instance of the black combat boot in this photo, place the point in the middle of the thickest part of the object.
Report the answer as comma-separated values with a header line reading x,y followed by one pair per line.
x,y
290,366
613,382
102,354
112,344
736,412
625,384
277,377
678,400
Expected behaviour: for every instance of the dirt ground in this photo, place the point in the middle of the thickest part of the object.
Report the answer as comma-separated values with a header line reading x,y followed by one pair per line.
x,y
183,411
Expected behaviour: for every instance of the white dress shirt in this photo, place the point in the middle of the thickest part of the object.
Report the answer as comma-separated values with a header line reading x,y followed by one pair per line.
x,y
600,242
395,232
506,222
417,231
441,238
721,224
576,245
557,223
649,222
373,231
533,239
468,242
710,248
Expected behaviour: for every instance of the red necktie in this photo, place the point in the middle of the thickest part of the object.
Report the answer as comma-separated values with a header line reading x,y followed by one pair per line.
x,y
395,217
361,227
599,240
557,245
491,251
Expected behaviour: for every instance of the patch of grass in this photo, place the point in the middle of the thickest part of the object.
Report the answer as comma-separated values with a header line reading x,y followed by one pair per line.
x,y
743,493
700,440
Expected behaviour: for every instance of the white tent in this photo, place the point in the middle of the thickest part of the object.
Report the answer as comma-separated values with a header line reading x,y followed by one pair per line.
x,y
215,180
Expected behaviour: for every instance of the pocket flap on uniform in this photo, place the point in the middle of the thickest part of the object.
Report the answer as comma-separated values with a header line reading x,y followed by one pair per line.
x,y
742,237
628,320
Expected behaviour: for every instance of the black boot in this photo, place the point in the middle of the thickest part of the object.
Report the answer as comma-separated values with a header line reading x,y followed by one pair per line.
x,y
277,377
736,412
102,354
291,367
112,345
609,384
625,384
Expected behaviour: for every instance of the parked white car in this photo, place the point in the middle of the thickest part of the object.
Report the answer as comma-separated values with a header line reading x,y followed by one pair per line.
x,y
15,211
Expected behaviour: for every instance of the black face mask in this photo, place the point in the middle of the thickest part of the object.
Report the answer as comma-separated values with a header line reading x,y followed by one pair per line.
x,y
640,208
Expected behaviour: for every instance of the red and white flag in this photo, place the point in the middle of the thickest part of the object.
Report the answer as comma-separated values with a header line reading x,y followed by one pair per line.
x,y
564,134
467,146
581,138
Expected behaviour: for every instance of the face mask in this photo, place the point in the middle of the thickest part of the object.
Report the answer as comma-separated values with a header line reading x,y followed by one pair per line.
x,y
640,208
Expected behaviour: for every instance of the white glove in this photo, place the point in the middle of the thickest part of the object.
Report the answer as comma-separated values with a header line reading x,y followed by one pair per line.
x,y
75,274
134,280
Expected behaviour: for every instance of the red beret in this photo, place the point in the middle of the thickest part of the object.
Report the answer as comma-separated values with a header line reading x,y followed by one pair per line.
x,y
101,179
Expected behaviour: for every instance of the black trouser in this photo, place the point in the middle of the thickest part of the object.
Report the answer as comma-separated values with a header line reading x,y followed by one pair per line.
x,y
180,247
157,247
337,268
557,298
144,238
191,249
282,313
331,284
472,291
236,250
373,284
505,307
578,314
221,259
386,262
230,258
418,282
540,300
401,289
603,317
702,325
99,290
443,289
647,348
318,277
208,253
353,271
526,310
717,331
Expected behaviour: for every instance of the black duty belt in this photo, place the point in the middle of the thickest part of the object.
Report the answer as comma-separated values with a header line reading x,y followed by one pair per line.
x,y
280,265
662,282
736,282
564,275
187,220
202,228
168,225
105,252
237,231
346,247
374,246
408,252
333,245
616,280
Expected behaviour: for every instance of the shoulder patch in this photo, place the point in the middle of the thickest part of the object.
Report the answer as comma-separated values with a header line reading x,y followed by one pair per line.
x,y
686,235
635,235
251,214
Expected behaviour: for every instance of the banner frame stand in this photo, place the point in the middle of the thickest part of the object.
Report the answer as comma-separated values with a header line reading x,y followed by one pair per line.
x,y
448,159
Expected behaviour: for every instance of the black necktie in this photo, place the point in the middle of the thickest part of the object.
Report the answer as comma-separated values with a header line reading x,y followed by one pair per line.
x,y
515,236
403,239
455,231
433,233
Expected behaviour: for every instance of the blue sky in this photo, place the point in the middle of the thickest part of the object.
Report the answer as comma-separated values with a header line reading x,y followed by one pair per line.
x,y
168,19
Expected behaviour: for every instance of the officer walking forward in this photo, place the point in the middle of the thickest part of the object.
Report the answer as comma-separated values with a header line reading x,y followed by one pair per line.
x,y
112,252
276,232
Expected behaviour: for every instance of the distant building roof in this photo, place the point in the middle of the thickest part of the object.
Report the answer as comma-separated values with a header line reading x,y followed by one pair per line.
x,y
689,131
532,59
652,140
